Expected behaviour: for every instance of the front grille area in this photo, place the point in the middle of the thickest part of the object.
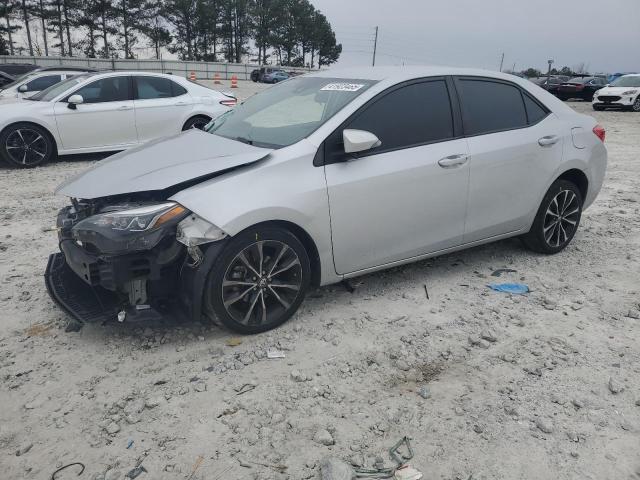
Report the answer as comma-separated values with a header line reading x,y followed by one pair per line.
x,y
608,98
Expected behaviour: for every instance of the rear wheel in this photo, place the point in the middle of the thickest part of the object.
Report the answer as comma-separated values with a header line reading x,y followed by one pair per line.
x,y
26,145
557,219
259,280
198,122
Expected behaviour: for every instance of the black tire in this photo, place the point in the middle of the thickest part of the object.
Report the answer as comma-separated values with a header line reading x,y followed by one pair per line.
x,y
598,108
26,145
199,122
563,199
247,303
636,105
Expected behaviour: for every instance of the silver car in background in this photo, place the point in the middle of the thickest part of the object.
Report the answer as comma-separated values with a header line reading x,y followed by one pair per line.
x,y
322,178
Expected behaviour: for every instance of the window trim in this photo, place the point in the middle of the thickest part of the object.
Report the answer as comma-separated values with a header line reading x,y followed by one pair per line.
x,y
321,159
458,78
66,98
41,77
171,83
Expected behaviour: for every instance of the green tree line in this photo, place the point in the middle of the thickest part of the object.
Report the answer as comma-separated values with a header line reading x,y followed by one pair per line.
x,y
288,32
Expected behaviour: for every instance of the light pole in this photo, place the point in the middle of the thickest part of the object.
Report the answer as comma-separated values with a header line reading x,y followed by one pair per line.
x,y
550,62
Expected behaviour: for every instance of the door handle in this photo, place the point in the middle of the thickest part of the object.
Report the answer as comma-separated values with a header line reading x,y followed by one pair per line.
x,y
179,104
124,107
453,160
548,140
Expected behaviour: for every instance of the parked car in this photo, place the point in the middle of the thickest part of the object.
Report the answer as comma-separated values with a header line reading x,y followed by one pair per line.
x,y
99,112
36,81
17,69
615,76
624,92
233,222
581,87
258,75
551,84
275,76
6,79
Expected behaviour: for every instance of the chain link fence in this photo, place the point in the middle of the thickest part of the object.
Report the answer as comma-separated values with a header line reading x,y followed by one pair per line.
x,y
202,70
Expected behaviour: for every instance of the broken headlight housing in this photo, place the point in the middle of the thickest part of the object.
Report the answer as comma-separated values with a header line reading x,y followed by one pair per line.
x,y
125,228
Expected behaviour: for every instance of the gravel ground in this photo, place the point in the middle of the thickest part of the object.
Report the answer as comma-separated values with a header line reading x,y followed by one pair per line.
x,y
488,386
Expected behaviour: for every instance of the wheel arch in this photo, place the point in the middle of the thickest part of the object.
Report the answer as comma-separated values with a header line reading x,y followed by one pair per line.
x,y
578,178
48,131
193,115
307,241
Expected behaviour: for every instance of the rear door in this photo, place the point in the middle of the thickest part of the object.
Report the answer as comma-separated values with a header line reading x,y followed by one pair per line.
x,y
408,196
104,120
161,106
515,146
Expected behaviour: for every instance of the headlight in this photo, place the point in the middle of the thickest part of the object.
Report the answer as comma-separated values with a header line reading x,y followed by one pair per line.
x,y
138,219
119,229
630,92
195,230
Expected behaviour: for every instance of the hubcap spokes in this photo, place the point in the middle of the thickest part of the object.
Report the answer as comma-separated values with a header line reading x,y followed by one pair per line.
x,y
561,218
262,282
26,146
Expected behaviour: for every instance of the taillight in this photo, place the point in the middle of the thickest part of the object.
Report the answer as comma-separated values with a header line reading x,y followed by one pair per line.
x,y
600,132
232,102
579,87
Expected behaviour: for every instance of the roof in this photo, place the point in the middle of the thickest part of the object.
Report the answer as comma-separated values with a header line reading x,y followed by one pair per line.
x,y
404,73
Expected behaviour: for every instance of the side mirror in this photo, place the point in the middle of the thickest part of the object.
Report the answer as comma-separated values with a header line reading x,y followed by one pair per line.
x,y
22,88
74,100
359,141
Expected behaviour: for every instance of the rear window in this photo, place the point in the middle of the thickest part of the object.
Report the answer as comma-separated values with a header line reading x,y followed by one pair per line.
x,y
489,106
580,80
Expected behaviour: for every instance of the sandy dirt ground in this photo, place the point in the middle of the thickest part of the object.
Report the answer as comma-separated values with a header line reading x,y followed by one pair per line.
x,y
542,386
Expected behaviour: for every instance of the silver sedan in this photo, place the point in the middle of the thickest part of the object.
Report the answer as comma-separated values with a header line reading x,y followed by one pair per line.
x,y
318,179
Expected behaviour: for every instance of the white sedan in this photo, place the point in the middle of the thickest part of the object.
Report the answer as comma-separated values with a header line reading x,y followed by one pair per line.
x,y
102,112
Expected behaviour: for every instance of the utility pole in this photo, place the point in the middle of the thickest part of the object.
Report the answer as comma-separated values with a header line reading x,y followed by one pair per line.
x,y
501,61
550,62
375,47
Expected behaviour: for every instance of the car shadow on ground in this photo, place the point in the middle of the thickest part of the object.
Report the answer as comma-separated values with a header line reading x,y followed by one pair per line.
x,y
454,268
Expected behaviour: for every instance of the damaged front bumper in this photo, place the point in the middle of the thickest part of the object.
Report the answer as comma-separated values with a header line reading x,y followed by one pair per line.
x,y
167,279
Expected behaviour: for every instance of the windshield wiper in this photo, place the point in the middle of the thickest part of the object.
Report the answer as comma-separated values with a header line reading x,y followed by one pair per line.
x,y
248,141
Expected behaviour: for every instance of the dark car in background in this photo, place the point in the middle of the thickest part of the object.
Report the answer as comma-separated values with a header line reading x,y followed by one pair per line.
x,y
551,84
259,74
17,69
6,79
581,87
275,77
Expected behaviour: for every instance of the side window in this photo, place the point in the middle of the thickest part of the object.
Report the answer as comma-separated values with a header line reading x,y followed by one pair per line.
x,y
535,112
153,87
43,82
112,89
177,90
489,106
411,115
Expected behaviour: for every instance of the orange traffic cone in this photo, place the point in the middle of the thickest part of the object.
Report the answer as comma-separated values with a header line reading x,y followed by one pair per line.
x,y
234,81
192,76
216,79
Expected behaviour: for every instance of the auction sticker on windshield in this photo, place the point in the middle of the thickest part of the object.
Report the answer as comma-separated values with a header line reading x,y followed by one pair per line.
x,y
342,87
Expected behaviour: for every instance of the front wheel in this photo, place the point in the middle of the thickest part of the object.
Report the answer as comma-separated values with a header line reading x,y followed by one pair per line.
x,y
636,105
25,145
557,219
598,108
259,280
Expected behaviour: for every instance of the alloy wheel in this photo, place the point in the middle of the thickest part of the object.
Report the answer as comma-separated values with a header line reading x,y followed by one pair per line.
x,y
261,283
561,218
636,105
26,146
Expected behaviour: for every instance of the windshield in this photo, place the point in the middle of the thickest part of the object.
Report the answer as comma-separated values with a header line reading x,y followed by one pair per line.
x,y
626,81
54,90
19,80
288,112
580,79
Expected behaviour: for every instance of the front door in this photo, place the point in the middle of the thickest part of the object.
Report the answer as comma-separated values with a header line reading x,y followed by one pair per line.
x,y
105,119
406,197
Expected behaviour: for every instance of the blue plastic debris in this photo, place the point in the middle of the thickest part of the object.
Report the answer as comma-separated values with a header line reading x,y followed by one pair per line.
x,y
514,288
129,443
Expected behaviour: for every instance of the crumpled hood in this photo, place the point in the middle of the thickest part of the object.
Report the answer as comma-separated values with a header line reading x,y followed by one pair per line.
x,y
161,164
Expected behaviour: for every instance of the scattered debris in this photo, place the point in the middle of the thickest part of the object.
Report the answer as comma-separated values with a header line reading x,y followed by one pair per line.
x,y
196,466
615,387
323,437
424,392
233,341
53,475
426,291
500,271
544,425
24,449
348,286
335,469
129,443
136,472
276,354
513,288
247,387
407,472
